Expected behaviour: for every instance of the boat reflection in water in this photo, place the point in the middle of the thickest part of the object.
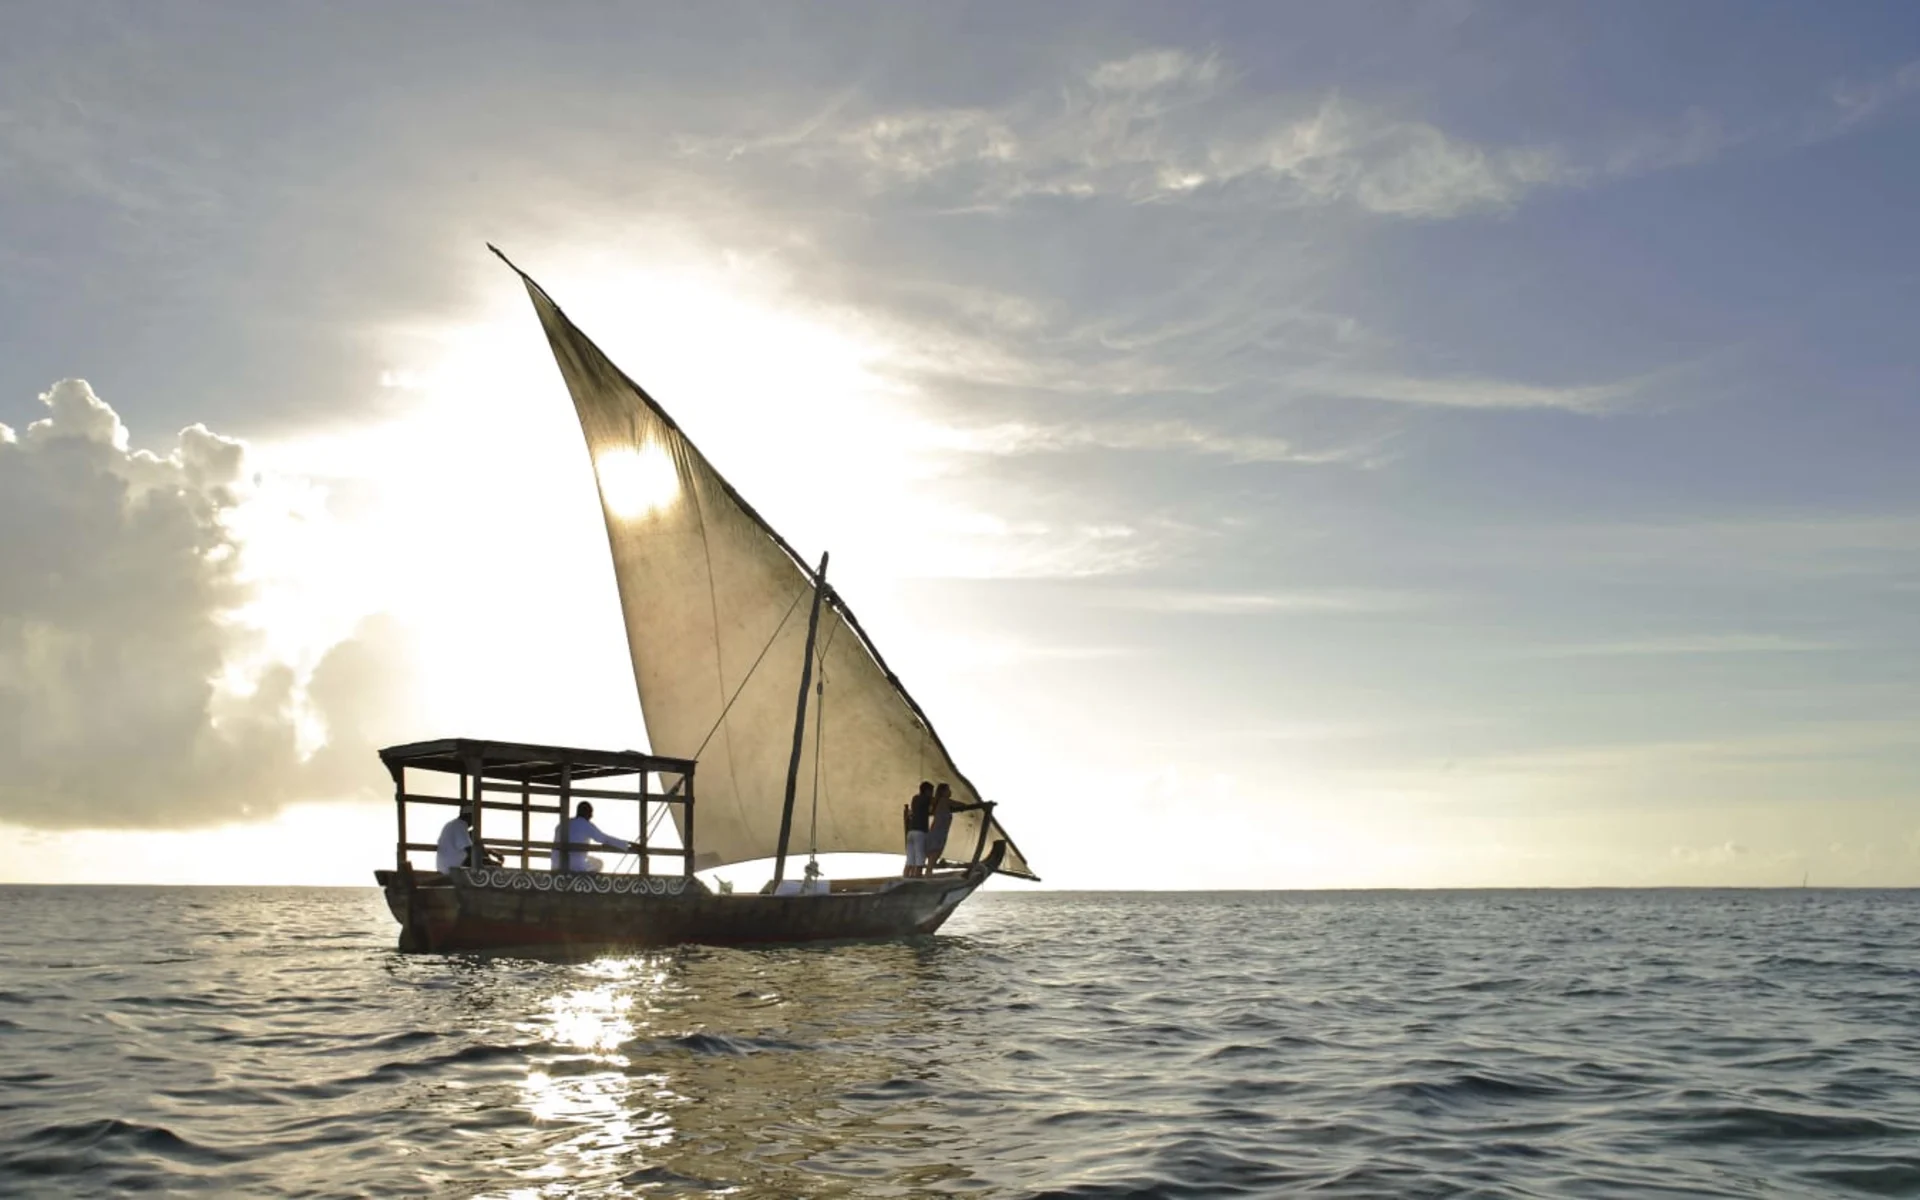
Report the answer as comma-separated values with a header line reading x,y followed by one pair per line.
x,y
784,1072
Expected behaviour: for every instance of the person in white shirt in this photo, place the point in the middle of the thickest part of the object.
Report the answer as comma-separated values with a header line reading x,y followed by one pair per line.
x,y
456,843
580,831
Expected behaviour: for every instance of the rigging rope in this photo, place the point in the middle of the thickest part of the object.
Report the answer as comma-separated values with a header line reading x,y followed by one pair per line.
x,y
654,825
750,670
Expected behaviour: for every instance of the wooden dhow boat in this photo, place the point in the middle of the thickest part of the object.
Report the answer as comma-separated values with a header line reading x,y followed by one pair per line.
x,y
748,664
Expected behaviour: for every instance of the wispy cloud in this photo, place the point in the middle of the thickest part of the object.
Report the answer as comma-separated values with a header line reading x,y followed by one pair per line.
x,y
1171,125
1709,856
1016,438
1693,644
1700,135
1468,392
1857,102
1216,345
1602,766
1162,125
1697,137
83,135
1877,546
959,653
976,544
1262,603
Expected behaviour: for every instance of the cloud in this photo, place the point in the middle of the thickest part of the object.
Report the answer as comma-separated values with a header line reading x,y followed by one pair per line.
x,y
1858,102
1709,856
1874,547
979,545
131,694
1690,644
1701,136
1675,765
1159,126
1467,392
956,654
1225,603
1016,438
1153,70
1169,125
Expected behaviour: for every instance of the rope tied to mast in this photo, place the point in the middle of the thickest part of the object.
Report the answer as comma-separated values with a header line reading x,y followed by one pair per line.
x,y
680,784
775,636
747,678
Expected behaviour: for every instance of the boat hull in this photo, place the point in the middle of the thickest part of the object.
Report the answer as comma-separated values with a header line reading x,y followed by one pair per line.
x,y
500,910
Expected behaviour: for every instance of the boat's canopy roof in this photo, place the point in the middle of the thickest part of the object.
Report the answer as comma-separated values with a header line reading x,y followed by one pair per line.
x,y
526,762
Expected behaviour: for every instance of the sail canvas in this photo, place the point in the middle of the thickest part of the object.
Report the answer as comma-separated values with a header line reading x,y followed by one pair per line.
x,y
716,607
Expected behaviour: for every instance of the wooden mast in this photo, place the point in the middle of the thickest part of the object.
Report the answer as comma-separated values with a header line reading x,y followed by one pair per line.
x,y
799,724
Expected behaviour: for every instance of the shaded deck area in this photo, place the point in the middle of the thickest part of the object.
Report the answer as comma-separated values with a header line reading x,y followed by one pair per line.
x,y
636,793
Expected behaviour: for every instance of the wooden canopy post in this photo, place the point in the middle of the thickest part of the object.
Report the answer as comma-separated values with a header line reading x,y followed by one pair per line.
x,y
399,773
476,771
800,724
686,825
526,823
564,836
645,870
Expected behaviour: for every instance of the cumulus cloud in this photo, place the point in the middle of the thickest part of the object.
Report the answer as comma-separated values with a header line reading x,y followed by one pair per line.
x,y
130,691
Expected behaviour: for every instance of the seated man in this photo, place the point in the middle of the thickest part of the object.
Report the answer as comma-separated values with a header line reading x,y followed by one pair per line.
x,y
455,849
581,831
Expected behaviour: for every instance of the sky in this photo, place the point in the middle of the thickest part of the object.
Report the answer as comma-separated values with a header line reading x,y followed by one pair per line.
x,y
1280,445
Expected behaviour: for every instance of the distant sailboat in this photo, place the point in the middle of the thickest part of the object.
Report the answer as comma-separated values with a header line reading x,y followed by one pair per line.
x,y
725,622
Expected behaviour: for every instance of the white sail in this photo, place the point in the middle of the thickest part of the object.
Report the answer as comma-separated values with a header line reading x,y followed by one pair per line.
x,y
716,608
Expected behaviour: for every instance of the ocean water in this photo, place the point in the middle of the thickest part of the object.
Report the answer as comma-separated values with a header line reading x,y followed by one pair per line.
x,y
1667,1043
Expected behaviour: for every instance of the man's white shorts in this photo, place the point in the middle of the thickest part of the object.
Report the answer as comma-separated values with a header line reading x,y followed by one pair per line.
x,y
917,848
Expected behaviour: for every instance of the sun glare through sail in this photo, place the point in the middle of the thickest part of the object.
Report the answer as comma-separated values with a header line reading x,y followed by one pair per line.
x,y
637,482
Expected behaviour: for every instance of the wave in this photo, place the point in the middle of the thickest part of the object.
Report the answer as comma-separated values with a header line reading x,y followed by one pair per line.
x,y
1472,1088
1886,1177
1745,1123
714,1044
83,1145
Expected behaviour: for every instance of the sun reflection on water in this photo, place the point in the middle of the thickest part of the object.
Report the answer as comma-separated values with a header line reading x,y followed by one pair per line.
x,y
608,1116
777,1073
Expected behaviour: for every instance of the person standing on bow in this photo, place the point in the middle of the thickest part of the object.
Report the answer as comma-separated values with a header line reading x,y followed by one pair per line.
x,y
579,832
919,815
940,823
